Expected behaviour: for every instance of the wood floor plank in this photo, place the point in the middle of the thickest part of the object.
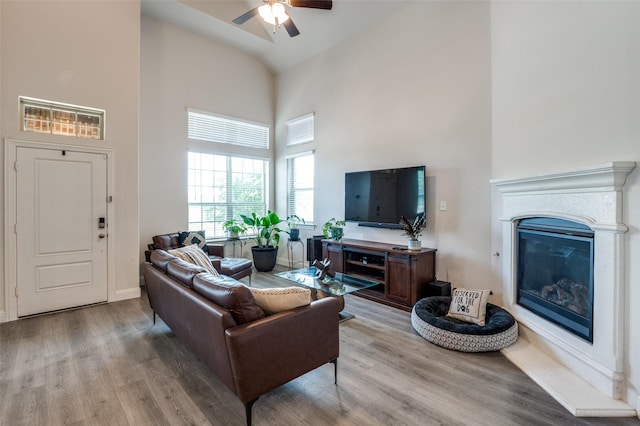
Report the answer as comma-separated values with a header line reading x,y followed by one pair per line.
x,y
110,365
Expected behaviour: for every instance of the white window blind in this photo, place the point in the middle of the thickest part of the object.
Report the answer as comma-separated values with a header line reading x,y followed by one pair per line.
x,y
300,177
300,130
222,187
58,118
214,128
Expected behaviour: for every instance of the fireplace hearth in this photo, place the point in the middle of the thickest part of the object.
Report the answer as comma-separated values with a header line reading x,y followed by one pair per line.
x,y
555,272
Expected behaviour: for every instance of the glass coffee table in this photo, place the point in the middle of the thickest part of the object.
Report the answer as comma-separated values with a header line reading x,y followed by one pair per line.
x,y
337,286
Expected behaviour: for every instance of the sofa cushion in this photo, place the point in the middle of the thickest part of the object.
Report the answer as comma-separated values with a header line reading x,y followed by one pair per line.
x,y
166,241
273,300
183,271
186,238
194,254
230,294
161,258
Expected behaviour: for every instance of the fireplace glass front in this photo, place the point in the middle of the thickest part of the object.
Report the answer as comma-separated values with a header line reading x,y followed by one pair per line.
x,y
555,272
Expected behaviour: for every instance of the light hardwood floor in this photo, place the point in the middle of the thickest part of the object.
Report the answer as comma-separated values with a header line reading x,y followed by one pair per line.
x,y
109,365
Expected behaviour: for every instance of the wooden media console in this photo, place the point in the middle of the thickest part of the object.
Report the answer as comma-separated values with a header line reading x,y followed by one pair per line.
x,y
403,274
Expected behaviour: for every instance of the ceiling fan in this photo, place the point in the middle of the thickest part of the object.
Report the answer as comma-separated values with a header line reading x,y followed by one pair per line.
x,y
274,13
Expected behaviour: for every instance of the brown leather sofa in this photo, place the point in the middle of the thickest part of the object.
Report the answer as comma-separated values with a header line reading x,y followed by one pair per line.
x,y
233,267
218,319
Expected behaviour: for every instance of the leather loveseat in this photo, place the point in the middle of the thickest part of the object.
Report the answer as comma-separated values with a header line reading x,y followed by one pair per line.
x,y
237,268
217,318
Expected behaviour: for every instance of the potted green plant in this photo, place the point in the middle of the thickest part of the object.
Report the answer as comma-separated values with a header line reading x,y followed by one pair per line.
x,y
333,229
292,222
234,228
413,230
265,251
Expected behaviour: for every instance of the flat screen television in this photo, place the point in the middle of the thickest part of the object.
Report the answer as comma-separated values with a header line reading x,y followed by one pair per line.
x,y
378,198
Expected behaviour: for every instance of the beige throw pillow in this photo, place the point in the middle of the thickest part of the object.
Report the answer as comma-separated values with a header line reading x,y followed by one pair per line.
x,y
273,300
194,254
469,305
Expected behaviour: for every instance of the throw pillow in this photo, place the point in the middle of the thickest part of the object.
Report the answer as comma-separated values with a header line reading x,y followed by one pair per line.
x,y
469,305
193,237
273,300
194,254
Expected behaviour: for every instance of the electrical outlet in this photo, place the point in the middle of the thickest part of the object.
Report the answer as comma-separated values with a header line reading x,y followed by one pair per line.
x,y
443,206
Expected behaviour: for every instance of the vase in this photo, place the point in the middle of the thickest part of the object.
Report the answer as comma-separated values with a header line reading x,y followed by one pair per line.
x,y
337,234
294,234
264,258
414,244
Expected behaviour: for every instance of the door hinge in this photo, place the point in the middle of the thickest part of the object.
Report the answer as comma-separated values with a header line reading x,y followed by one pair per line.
x,y
16,292
15,166
109,198
15,228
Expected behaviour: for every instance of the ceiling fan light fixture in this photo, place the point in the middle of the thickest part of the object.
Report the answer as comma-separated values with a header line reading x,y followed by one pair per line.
x,y
273,14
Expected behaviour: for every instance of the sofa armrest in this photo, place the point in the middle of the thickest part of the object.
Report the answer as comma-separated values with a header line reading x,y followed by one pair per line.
x,y
216,262
274,350
215,250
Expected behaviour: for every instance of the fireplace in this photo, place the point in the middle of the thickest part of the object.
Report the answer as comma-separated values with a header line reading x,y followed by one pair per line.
x,y
568,293
554,277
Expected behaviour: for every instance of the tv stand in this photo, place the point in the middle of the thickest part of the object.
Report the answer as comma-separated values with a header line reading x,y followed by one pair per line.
x,y
403,274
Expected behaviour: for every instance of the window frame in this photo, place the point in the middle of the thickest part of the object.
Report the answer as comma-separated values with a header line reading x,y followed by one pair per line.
x,y
292,189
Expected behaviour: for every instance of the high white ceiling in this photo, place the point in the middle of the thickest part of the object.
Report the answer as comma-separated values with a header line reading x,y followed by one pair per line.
x,y
319,29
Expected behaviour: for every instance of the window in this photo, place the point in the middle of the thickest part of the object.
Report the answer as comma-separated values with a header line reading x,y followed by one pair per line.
x,y
214,128
300,130
223,187
300,175
61,119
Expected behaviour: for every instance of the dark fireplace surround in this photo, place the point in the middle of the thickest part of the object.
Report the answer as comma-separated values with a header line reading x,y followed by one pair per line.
x,y
555,272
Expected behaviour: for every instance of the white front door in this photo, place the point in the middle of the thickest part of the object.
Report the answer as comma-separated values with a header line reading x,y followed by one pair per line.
x,y
61,247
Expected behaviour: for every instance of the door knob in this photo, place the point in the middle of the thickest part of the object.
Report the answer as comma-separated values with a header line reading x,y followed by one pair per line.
x,y
101,235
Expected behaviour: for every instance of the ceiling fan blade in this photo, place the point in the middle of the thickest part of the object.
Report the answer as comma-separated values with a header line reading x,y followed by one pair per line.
x,y
313,4
291,27
246,16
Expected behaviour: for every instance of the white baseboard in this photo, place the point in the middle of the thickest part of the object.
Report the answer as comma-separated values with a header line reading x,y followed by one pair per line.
x,y
128,293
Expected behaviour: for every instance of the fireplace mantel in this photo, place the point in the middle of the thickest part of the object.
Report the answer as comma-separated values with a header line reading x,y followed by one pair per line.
x,y
591,196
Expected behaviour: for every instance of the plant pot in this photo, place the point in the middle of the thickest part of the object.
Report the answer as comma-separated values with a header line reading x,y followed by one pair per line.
x,y
414,244
337,233
264,258
294,234
232,235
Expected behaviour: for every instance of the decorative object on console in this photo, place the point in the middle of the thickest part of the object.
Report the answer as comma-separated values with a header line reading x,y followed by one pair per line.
x,y
186,238
234,228
292,222
333,229
265,251
324,269
469,305
413,230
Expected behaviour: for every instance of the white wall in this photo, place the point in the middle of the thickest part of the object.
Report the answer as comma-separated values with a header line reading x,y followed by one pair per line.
x,y
178,70
566,94
414,91
83,53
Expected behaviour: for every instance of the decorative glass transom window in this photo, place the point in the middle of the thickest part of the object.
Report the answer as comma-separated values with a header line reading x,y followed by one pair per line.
x,y
57,118
214,128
